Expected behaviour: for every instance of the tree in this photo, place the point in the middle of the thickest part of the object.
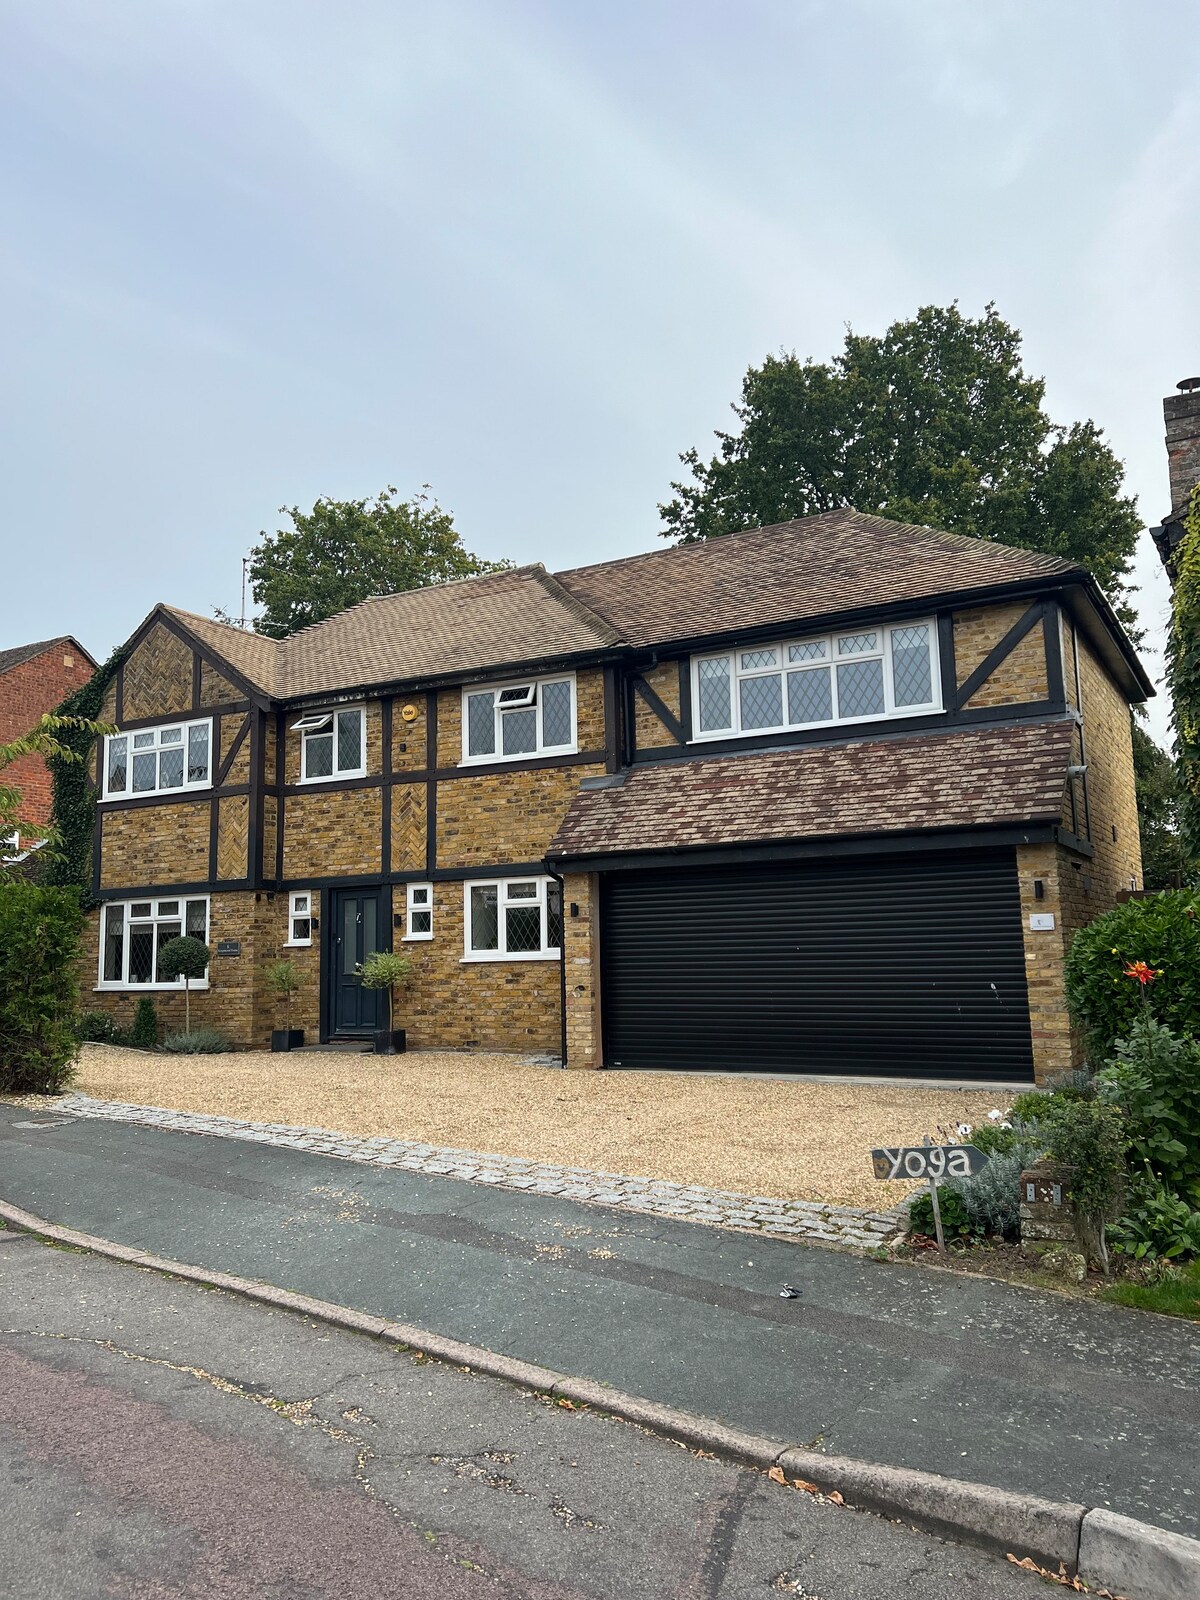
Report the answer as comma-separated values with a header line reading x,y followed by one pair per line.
x,y
936,422
1183,673
343,551
1159,797
185,957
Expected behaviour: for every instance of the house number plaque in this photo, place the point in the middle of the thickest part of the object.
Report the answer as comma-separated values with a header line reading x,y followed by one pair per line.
x,y
229,947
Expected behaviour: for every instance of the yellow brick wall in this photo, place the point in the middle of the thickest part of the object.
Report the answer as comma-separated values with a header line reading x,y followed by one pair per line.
x,y
582,935
337,833
409,752
155,844
650,732
239,772
1021,677
215,689
158,676
1111,795
233,836
512,816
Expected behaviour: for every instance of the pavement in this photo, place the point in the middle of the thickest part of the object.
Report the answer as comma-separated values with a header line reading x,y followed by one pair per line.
x,y
163,1442
903,1365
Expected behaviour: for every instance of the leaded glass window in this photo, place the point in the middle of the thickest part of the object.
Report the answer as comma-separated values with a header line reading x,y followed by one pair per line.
x,y
134,933
522,719
157,760
332,744
514,918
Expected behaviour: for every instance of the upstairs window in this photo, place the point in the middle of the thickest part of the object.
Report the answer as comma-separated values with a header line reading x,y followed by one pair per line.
x,y
514,919
332,745
519,719
133,933
861,676
10,844
158,760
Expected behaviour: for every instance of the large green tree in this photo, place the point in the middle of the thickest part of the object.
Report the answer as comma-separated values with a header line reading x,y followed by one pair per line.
x,y
1183,673
1159,802
343,551
934,422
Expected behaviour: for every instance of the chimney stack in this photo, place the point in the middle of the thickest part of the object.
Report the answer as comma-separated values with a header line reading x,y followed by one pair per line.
x,y
1181,413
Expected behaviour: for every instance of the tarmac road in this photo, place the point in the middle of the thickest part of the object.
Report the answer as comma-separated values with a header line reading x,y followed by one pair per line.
x,y
159,1441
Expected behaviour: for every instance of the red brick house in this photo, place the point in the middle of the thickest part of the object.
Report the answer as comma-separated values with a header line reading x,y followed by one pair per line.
x,y
34,679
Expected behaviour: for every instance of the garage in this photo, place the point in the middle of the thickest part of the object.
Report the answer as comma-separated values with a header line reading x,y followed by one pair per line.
x,y
906,965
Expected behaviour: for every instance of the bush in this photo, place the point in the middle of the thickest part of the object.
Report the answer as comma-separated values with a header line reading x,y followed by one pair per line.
x,y
1089,1140
1155,1079
97,1027
200,1042
1156,1223
1034,1105
39,987
144,1033
1164,931
993,1196
957,1221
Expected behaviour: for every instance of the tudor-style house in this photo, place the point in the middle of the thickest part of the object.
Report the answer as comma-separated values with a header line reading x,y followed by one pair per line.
x,y
825,797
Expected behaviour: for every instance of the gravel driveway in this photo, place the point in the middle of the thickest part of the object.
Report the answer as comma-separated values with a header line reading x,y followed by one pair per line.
x,y
791,1140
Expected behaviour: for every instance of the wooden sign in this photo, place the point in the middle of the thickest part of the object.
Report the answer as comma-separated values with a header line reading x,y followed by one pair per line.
x,y
929,1161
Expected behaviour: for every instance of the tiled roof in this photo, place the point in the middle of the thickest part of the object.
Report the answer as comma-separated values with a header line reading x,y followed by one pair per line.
x,y
504,618
961,779
27,652
257,658
813,566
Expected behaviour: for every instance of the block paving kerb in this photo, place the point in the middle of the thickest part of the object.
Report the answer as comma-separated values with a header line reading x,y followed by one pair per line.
x,y
852,1227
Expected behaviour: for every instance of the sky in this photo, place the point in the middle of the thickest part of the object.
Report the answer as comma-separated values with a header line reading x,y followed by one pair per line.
x,y
257,251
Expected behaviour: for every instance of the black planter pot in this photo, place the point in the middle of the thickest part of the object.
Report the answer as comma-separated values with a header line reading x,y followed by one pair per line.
x,y
287,1038
390,1042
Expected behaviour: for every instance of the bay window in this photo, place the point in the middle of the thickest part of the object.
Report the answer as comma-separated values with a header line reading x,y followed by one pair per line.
x,y
519,719
145,761
132,933
514,919
856,676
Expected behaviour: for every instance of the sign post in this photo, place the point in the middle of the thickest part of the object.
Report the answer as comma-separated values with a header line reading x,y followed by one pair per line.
x,y
931,1162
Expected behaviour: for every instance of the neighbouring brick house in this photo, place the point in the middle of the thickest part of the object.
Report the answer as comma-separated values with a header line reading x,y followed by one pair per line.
x,y
830,796
35,679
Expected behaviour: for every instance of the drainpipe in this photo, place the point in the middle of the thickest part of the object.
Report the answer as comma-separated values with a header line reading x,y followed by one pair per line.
x,y
1087,807
562,955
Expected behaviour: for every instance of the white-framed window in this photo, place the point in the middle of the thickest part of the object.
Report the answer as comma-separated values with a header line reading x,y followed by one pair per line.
x,y
177,755
418,923
513,919
333,744
132,932
299,917
862,675
10,844
511,720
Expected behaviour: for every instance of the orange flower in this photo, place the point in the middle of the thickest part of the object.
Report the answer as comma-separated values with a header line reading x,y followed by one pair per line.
x,y
1142,972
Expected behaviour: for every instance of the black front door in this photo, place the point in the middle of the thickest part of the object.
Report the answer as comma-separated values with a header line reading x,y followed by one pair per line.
x,y
356,928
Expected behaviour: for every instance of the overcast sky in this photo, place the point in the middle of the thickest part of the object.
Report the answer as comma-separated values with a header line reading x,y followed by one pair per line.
x,y
256,251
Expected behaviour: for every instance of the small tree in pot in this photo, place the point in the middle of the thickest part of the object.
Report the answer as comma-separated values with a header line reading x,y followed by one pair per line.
x,y
283,979
388,971
185,958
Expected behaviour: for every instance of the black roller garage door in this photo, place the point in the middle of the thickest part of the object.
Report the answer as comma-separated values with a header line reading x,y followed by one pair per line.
x,y
906,965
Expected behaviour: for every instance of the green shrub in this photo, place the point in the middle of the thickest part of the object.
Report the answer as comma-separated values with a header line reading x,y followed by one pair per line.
x,y
97,1027
185,958
957,1221
144,1033
1155,1222
1089,1140
993,1196
40,933
200,1042
1155,1079
1162,930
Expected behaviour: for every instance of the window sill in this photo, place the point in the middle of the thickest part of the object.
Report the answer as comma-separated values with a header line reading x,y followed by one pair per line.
x,y
154,794
296,944
416,938
149,988
478,957
815,727
521,755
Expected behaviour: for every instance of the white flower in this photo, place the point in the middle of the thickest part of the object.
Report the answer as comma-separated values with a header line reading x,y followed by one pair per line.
x,y
994,1116
964,1130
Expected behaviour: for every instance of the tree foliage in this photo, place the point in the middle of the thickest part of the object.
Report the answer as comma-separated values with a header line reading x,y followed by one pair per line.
x,y
1159,799
1162,930
39,987
73,804
344,551
935,422
55,738
1183,672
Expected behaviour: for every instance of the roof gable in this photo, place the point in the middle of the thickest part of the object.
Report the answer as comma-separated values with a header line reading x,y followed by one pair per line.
x,y
21,653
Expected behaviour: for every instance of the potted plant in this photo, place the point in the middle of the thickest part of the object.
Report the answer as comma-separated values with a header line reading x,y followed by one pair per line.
x,y
283,979
386,970
185,958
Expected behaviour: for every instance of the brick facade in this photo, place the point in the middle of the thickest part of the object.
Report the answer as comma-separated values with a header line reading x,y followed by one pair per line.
x,y
29,689
423,817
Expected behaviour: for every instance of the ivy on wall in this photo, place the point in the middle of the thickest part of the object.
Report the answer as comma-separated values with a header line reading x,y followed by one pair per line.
x,y
1183,670
73,807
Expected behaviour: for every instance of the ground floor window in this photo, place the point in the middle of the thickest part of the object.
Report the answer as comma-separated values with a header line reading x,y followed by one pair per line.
x,y
132,932
299,917
419,922
513,919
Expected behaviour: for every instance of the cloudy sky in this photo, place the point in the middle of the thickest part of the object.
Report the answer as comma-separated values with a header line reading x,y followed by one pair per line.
x,y
256,251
